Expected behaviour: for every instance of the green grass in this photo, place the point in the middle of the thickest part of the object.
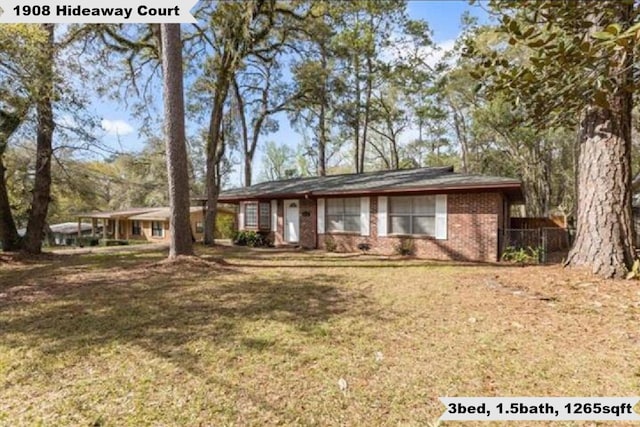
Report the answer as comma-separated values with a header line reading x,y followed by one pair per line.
x,y
260,337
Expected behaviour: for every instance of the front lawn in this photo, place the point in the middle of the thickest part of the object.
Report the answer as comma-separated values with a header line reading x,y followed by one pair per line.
x,y
257,337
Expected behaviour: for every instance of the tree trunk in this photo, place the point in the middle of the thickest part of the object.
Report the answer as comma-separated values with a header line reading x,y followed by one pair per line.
x,y
248,170
213,190
215,143
367,111
215,151
461,133
322,122
604,235
8,232
356,119
44,143
181,242
244,131
9,123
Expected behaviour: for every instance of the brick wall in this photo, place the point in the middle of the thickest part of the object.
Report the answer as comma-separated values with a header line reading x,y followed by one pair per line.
x,y
308,223
472,231
279,237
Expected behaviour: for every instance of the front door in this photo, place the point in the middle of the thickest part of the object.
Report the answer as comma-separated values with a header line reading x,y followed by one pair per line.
x,y
291,221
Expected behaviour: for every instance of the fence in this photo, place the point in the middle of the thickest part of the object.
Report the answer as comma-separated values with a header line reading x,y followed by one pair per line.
x,y
548,239
538,222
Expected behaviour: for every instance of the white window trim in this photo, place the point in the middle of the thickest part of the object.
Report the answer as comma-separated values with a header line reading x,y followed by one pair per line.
x,y
441,217
364,216
382,216
274,215
241,217
320,216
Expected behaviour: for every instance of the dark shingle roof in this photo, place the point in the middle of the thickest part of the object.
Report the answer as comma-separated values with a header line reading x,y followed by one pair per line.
x,y
396,181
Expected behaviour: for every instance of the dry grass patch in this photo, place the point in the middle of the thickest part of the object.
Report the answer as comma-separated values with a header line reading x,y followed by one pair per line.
x,y
255,337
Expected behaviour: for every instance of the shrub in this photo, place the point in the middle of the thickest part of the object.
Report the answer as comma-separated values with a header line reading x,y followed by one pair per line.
x,y
635,270
527,255
364,247
330,244
224,227
406,247
251,238
87,241
115,242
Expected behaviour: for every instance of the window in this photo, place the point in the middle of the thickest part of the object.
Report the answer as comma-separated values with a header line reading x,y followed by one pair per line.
x,y
136,229
199,227
412,215
157,229
265,215
257,215
251,215
343,214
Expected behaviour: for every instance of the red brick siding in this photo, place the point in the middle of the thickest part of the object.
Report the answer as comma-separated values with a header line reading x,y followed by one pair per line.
x,y
472,231
308,223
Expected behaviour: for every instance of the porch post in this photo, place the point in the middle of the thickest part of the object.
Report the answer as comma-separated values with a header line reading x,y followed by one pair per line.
x,y
117,229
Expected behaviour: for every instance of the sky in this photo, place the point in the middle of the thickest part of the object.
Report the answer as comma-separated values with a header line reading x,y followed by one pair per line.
x,y
120,127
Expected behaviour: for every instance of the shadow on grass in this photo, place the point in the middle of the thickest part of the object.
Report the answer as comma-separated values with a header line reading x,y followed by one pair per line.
x,y
364,263
274,258
169,311
46,266
164,310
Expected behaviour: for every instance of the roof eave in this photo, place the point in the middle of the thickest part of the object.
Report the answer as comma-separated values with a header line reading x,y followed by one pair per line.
x,y
429,189
514,189
265,196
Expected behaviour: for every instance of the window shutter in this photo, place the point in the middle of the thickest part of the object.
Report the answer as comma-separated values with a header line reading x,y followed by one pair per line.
x,y
274,215
441,216
320,216
241,217
364,216
382,216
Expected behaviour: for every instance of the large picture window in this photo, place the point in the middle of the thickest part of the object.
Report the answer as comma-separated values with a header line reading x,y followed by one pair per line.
x,y
257,215
412,215
343,215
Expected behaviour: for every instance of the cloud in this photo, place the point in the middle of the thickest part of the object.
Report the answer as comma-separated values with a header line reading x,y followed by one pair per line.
x,y
117,127
434,56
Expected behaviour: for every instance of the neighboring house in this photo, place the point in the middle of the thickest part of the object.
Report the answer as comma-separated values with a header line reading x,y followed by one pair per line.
x,y
66,233
435,212
151,224
63,234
